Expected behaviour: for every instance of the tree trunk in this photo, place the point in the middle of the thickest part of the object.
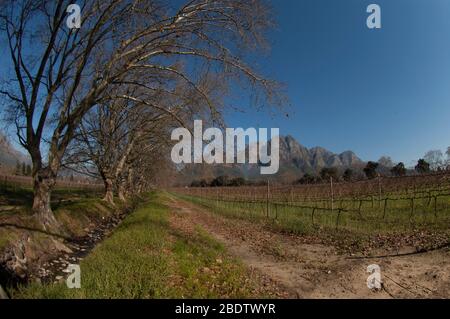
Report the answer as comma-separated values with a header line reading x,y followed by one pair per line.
x,y
122,191
43,184
139,188
109,191
131,188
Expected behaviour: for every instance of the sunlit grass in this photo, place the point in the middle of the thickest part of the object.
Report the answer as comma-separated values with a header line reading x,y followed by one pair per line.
x,y
366,217
146,258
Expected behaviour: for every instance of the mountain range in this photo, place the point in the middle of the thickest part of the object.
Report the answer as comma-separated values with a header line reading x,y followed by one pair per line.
x,y
295,161
9,155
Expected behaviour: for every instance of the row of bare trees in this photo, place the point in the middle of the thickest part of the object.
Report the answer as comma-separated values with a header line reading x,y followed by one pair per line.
x,y
115,141
102,98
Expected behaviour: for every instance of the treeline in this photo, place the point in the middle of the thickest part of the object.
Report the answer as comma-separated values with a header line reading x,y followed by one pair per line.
x,y
383,168
225,181
103,99
372,170
22,169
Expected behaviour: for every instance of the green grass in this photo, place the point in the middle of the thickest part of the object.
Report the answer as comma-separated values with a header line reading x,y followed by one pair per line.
x,y
22,197
76,215
75,209
374,219
146,258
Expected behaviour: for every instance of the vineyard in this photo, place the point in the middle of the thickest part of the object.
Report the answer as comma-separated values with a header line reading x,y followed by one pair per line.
x,y
13,182
384,204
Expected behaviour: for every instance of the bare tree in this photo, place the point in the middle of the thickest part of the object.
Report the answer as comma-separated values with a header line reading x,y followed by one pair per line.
x,y
59,75
116,135
448,157
148,166
386,161
119,131
435,158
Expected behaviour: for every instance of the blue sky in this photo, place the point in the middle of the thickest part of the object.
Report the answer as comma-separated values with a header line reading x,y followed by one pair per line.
x,y
376,92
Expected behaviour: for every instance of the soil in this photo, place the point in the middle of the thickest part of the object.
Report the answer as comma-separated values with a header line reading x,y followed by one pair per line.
x,y
301,268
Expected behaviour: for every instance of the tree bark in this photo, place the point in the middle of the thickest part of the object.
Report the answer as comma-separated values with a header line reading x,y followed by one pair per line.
x,y
43,184
121,191
131,188
109,190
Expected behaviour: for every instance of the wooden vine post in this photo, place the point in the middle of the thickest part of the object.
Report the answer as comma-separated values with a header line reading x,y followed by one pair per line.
x,y
268,198
379,190
332,194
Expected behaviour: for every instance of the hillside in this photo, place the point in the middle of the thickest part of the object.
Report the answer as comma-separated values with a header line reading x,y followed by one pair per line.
x,y
9,155
295,161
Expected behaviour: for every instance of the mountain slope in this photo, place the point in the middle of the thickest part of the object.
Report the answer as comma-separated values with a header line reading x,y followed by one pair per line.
x,y
295,161
9,156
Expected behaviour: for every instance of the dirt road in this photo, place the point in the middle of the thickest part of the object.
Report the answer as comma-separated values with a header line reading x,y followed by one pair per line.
x,y
311,270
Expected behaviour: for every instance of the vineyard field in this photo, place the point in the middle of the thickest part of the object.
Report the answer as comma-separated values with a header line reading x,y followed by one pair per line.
x,y
369,207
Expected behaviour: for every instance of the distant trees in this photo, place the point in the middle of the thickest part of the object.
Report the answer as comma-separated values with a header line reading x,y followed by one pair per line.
x,y
238,181
399,170
435,158
371,170
325,175
329,172
348,175
226,181
422,166
219,181
448,157
386,161
22,169
199,183
223,181
17,172
308,179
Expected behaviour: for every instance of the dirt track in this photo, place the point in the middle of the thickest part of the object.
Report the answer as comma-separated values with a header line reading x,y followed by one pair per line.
x,y
309,270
